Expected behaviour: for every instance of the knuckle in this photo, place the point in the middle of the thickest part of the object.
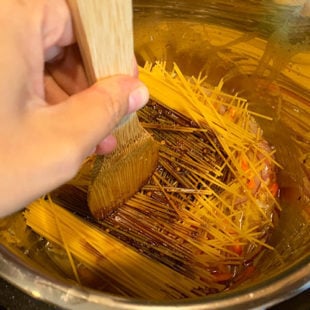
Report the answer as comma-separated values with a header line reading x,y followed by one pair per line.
x,y
114,99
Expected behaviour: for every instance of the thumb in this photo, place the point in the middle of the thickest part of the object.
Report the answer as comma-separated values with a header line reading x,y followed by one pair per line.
x,y
55,139
88,117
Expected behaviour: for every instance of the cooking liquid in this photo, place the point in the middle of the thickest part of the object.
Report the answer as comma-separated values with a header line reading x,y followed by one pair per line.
x,y
265,58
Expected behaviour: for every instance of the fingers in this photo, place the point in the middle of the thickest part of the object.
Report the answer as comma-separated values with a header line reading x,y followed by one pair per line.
x,y
86,119
57,29
68,72
106,146
55,139
53,92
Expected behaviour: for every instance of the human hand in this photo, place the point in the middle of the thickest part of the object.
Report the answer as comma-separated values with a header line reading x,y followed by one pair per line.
x,y
50,119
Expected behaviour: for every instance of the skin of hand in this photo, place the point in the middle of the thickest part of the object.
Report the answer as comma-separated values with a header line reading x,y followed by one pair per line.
x,y
50,120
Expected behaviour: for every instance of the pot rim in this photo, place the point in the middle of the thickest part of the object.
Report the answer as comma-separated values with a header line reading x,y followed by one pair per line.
x,y
281,287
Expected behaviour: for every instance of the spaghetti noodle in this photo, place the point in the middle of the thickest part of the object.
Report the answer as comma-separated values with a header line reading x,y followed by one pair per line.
x,y
200,223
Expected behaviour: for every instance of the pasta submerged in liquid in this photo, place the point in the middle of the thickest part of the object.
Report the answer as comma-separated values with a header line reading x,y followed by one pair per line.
x,y
200,223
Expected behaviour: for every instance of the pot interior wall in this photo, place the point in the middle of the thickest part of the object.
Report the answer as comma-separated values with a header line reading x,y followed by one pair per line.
x,y
261,51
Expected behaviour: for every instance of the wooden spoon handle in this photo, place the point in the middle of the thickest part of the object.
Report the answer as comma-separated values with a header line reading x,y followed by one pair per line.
x,y
104,31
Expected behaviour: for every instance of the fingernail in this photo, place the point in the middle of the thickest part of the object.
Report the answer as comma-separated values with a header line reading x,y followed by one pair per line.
x,y
138,98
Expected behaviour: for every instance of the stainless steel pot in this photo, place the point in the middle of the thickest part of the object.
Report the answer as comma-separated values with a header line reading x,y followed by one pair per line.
x,y
261,49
